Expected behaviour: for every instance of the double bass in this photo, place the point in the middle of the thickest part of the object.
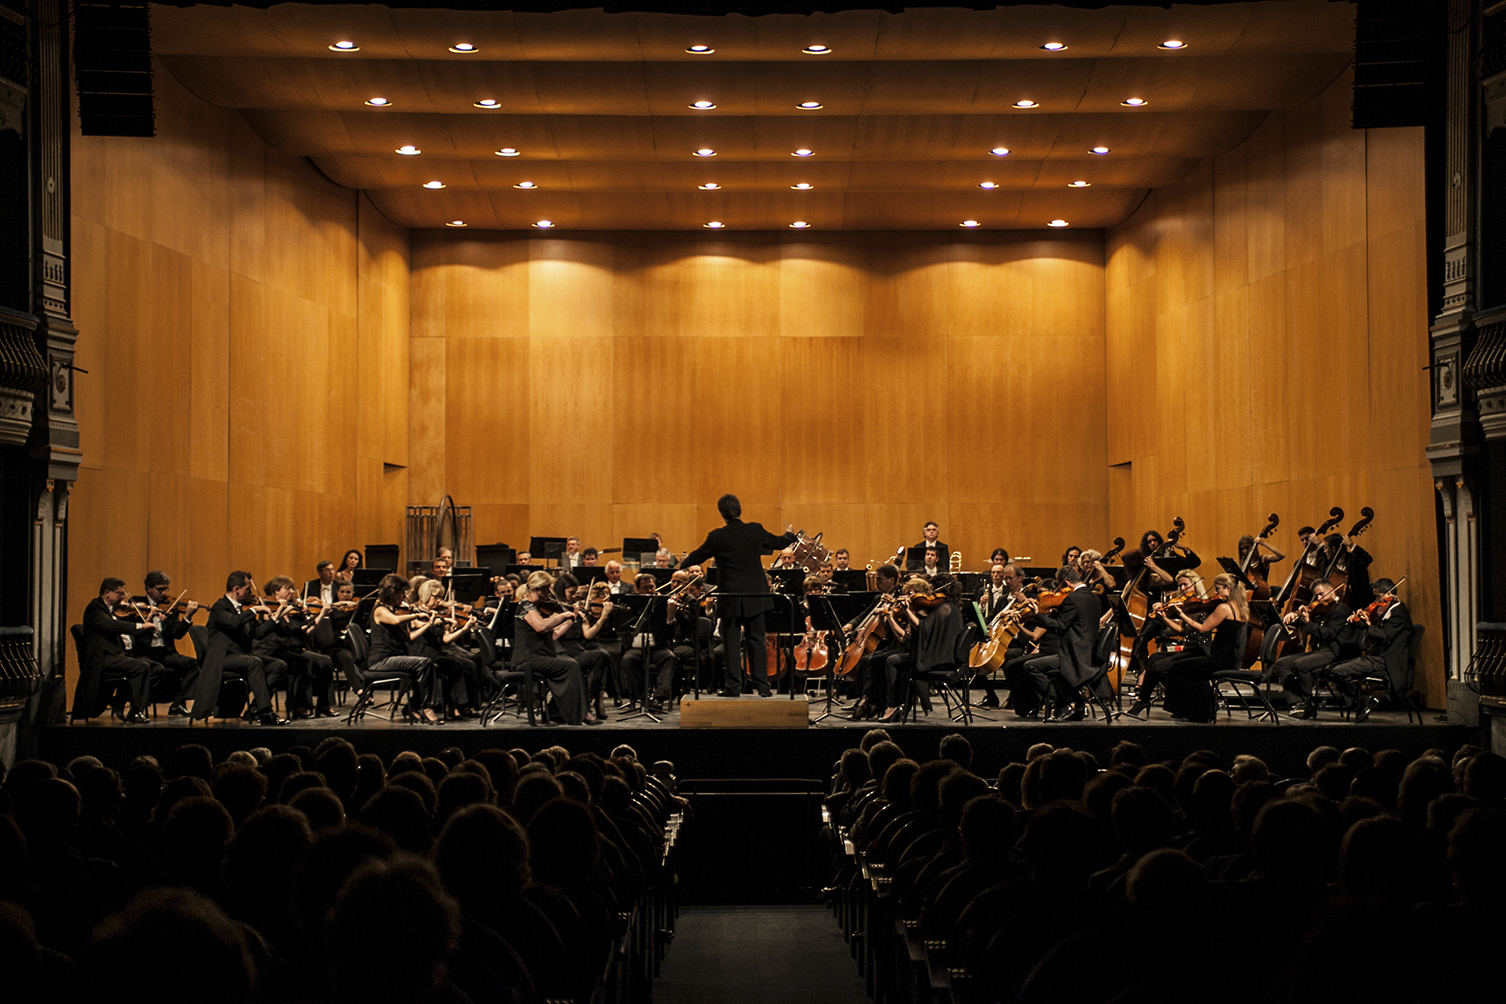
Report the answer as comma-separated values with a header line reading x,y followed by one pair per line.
x,y
1134,597
1296,592
1260,592
1339,577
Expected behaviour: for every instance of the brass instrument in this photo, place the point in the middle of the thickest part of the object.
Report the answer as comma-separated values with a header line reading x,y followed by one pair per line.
x,y
871,577
954,564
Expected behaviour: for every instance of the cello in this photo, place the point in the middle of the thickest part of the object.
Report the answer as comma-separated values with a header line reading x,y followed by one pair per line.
x,y
1295,592
1257,631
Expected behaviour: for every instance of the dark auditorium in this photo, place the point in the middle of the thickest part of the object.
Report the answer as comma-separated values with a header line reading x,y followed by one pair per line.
x,y
735,501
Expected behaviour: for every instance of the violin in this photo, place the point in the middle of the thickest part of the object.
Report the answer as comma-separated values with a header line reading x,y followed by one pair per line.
x,y
1374,611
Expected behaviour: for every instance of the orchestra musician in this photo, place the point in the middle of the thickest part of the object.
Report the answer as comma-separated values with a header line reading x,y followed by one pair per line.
x,y
391,651
1173,645
1344,555
691,637
1187,692
996,594
572,557
577,639
1090,563
1060,678
869,673
1385,649
615,585
159,648
737,547
663,559
931,641
232,625
525,559
1258,571
660,654
931,564
104,658
914,557
1070,555
282,638
1330,638
588,557
824,573
439,568
329,636
841,560
323,583
533,648
350,562
434,637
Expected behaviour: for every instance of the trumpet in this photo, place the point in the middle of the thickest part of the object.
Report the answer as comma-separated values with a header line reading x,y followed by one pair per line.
x,y
954,563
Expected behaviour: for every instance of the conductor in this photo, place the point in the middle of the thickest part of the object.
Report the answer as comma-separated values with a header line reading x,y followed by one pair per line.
x,y
737,548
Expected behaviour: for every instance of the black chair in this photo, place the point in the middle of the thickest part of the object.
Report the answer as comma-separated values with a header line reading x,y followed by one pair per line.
x,y
951,680
1401,695
234,693
521,682
397,683
1234,679
110,689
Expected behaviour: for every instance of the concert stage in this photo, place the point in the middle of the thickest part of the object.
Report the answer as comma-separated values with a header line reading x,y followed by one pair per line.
x,y
772,753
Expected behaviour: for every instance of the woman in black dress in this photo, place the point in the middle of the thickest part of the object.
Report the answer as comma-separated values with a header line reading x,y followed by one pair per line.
x,y
533,648
1187,692
390,638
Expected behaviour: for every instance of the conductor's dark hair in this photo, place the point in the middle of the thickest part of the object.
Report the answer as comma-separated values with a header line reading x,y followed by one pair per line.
x,y
237,579
156,577
111,584
729,507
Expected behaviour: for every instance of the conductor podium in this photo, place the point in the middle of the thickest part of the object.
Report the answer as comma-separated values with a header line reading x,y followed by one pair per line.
x,y
711,712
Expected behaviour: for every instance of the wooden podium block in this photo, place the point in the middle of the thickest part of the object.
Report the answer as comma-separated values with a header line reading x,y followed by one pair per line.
x,y
777,712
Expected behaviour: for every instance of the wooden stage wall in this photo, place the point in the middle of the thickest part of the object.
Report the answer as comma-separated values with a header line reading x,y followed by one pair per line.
x,y
1267,322
857,384
244,323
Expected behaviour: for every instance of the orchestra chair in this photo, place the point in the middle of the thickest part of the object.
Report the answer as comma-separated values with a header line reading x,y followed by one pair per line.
x,y
950,680
1093,692
525,687
1380,682
1234,679
114,689
398,684
234,693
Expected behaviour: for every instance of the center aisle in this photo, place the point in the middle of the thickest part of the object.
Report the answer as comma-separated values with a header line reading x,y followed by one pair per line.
x,y
757,954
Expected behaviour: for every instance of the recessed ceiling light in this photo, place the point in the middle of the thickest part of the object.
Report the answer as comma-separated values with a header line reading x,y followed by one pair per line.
x,y
816,50
464,48
1026,103
544,224
705,151
1079,184
435,185
345,47
988,185
800,225
1057,223
456,223
710,186
1172,43
968,223
488,103
803,186
409,150
1100,150
509,151
1000,151
1134,102
802,152
379,102
703,105
714,225
1054,46
700,50
525,184
810,105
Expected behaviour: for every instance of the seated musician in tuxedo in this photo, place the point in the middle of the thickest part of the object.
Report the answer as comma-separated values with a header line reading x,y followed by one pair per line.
x,y
992,599
824,572
692,631
323,585
572,557
1034,644
660,656
282,637
615,585
589,557
1331,637
931,566
232,628
104,658
915,557
1385,650
1060,678
170,668
841,560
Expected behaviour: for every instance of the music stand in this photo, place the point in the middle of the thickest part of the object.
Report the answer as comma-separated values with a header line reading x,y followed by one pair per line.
x,y
547,548
972,582
495,555
637,547
1268,613
587,574
469,584
367,579
852,580
1232,567
784,620
382,557
648,613
825,616
790,581
522,571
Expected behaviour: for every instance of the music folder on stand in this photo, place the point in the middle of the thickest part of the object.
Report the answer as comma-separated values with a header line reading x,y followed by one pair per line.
x,y
647,613
825,616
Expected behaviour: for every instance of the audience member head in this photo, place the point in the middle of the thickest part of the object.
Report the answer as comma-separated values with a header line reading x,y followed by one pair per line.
x,y
957,749
240,790
385,905
562,843
870,739
1011,777
399,812
321,807
170,931
986,828
482,856
1424,780
881,756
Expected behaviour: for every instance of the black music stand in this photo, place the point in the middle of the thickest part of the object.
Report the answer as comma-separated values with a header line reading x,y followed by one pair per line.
x,y
785,621
381,557
495,555
547,548
1232,567
789,581
972,614
586,574
1268,613
825,616
648,613
367,579
469,584
638,547
852,580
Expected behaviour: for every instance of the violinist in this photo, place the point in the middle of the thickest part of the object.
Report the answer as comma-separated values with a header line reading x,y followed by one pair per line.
x,y
915,556
691,629
615,585
536,618
1258,568
323,583
232,636
439,568
738,548
660,655
1060,678
391,628
330,635
436,638
103,659
1385,649
1343,556
1174,643
1330,638
575,639
1033,644
282,645
997,593
1187,692
901,664
871,681
158,647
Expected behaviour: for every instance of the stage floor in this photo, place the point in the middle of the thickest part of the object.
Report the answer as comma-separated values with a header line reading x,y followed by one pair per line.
x,y
772,753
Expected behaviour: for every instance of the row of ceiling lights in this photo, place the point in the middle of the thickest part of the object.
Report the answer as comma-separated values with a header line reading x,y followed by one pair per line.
x,y
711,186
469,48
492,104
409,150
719,225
